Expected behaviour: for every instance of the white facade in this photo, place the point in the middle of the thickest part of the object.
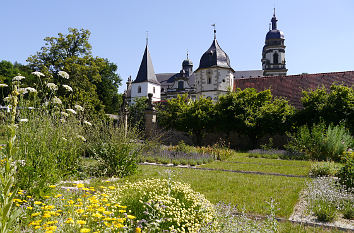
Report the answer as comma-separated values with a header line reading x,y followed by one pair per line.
x,y
143,89
212,82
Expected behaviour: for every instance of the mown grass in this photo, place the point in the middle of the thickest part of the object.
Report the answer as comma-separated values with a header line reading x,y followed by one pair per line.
x,y
249,192
288,227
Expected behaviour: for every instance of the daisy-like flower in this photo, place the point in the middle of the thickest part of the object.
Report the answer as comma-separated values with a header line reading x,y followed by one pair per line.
x,y
38,74
3,85
56,100
87,123
67,87
18,78
63,74
79,108
64,114
24,120
52,86
31,89
71,110
22,91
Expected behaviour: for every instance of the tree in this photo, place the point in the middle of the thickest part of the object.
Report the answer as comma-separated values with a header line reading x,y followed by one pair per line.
x,y
333,106
137,113
194,117
93,79
252,113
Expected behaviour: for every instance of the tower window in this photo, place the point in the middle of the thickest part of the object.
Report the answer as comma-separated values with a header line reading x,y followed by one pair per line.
x,y
139,89
209,80
153,89
180,85
275,58
162,89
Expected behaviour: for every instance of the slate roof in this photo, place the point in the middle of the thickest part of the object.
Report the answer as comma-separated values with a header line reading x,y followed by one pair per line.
x,y
290,87
214,57
146,71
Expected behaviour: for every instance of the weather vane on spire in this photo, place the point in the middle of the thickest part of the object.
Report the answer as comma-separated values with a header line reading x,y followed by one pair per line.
x,y
147,38
187,54
274,12
213,25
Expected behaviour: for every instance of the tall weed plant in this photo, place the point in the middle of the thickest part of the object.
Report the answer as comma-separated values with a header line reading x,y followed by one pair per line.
x,y
320,142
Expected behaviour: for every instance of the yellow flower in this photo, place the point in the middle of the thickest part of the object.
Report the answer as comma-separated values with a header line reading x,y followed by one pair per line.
x,y
52,186
85,230
138,230
35,214
37,202
111,187
58,195
80,211
80,185
71,202
131,216
81,222
29,207
37,227
69,220
29,197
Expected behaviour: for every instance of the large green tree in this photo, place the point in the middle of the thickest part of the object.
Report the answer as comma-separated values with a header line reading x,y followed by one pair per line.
x,y
333,106
252,113
93,79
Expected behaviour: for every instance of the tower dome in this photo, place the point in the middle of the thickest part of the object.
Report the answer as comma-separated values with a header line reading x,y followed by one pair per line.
x,y
214,57
274,33
187,62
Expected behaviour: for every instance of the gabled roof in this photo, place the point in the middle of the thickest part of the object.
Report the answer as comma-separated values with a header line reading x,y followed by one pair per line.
x,y
214,57
146,71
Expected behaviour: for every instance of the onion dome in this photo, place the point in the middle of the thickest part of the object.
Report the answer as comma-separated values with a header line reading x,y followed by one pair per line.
x,y
214,57
187,62
274,33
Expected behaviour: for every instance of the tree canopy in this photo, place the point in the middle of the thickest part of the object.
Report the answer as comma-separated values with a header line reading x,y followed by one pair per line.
x,y
93,79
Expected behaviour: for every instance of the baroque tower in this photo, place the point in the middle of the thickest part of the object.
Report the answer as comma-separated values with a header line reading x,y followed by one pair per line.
x,y
214,75
273,55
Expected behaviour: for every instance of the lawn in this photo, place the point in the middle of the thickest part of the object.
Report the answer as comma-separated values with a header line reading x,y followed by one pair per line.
x,y
247,191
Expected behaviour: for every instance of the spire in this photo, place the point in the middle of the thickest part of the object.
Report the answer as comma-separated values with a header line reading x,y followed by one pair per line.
x,y
147,38
213,25
274,21
187,55
146,71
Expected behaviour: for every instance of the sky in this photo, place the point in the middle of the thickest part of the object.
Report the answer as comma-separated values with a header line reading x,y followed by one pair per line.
x,y
319,34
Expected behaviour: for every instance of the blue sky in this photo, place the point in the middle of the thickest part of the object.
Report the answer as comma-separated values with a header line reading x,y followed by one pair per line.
x,y
319,34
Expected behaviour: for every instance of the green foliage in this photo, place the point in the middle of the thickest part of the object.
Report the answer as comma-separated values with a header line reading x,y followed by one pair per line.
x,y
116,152
93,79
253,113
333,106
324,169
321,142
194,117
137,112
324,211
346,173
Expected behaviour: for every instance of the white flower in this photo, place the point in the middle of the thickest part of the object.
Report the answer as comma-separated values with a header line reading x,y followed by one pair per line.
x,y
3,85
63,74
24,120
7,99
64,114
52,86
38,74
56,100
71,110
67,87
18,78
46,103
79,108
82,138
64,139
22,91
62,120
31,89
87,123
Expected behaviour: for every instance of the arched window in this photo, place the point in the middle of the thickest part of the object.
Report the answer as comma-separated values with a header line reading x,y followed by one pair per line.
x,y
275,58
162,89
139,89
153,89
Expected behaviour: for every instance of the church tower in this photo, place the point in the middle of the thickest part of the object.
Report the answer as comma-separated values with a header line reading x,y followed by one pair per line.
x,y
214,75
146,81
273,55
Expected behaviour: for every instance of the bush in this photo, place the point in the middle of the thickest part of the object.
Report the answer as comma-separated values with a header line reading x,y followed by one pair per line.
x,y
324,211
165,205
321,143
115,150
324,169
348,211
346,173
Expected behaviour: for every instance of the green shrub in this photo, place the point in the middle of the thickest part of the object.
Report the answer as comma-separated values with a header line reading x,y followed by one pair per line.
x,y
348,210
321,142
346,173
324,211
176,162
165,205
324,169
